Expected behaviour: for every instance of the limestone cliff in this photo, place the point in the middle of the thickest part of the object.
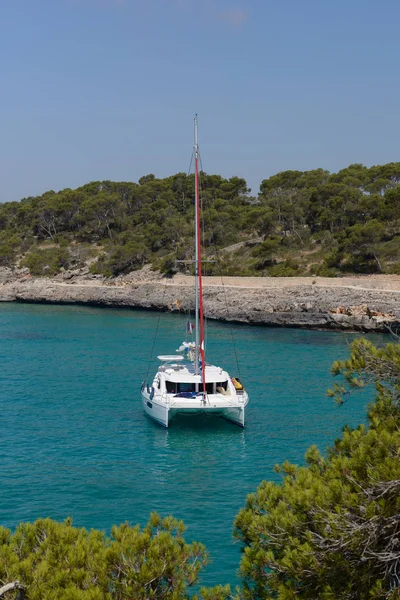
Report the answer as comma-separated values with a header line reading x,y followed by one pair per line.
x,y
370,303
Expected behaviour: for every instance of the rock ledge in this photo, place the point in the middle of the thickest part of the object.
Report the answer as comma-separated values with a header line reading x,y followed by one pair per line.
x,y
370,303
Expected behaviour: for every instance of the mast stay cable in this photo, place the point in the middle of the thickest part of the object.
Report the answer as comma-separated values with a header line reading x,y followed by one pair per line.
x,y
199,349
217,253
156,331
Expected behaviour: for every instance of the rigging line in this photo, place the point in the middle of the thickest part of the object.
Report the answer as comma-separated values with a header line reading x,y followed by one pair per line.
x,y
188,175
201,194
230,328
199,277
190,165
224,290
156,332
201,164
227,313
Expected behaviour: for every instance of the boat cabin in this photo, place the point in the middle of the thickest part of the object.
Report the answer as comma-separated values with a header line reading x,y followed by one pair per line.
x,y
176,378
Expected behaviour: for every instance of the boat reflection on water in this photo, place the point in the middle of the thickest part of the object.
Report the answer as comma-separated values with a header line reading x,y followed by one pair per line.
x,y
190,432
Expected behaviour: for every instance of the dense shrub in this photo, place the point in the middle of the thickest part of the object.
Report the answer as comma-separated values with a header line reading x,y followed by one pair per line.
x,y
48,261
289,268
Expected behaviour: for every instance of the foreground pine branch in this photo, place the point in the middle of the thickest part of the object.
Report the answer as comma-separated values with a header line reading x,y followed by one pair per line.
x,y
331,529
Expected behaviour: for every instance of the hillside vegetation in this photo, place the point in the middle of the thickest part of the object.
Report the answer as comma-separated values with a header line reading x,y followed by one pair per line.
x,y
301,223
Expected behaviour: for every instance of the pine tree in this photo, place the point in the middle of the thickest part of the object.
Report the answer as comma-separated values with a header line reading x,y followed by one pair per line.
x,y
56,561
331,529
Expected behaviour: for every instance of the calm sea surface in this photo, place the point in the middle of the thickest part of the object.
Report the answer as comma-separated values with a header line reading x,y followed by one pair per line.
x,y
75,440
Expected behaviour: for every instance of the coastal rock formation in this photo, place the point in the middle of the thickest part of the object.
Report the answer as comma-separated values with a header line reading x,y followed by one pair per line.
x,y
370,303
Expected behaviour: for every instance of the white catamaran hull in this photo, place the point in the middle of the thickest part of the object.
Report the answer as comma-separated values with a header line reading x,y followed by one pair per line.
x,y
158,412
163,413
185,384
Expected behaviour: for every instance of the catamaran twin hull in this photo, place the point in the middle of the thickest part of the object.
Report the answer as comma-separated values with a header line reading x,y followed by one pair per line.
x,y
164,413
194,387
177,390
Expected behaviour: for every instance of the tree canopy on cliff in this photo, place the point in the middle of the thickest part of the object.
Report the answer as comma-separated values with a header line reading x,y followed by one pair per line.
x,y
311,222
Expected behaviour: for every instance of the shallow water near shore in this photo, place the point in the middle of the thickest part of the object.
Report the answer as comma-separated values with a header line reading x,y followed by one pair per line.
x,y
75,440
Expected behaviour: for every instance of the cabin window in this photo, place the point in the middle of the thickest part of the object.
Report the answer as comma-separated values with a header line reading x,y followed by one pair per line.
x,y
186,387
223,384
171,387
209,388
180,386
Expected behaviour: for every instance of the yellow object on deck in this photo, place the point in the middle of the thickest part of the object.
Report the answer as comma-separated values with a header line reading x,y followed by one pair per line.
x,y
237,384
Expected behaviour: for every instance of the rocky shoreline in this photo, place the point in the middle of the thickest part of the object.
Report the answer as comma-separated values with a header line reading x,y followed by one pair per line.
x,y
365,303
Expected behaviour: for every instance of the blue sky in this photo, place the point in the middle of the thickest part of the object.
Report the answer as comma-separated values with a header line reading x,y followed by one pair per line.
x,y
107,89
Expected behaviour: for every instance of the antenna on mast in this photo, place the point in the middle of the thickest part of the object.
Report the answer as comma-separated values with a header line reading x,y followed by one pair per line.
x,y
196,140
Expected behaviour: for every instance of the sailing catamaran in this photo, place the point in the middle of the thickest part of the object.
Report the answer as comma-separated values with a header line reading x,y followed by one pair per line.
x,y
185,383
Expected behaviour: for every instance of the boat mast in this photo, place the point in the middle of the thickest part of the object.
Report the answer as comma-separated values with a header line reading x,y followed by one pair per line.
x,y
197,229
199,352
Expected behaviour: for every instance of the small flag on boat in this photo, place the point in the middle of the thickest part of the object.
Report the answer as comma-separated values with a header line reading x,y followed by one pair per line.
x,y
189,327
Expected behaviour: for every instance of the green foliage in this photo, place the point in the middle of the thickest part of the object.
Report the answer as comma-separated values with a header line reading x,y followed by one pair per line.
x,y
289,268
358,247
330,529
322,270
265,252
47,261
129,257
100,267
395,269
369,364
349,220
56,561
220,592
8,248
166,265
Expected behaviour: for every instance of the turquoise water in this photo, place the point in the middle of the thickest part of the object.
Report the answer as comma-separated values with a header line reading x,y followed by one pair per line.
x,y
75,440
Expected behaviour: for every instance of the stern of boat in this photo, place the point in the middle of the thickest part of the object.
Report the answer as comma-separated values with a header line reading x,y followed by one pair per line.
x,y
236,414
